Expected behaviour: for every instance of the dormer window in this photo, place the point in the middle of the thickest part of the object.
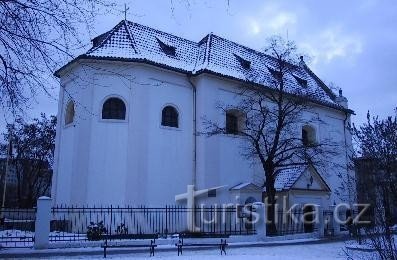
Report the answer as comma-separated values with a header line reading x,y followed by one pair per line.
x,y
167,49
276,74
301,82
246,64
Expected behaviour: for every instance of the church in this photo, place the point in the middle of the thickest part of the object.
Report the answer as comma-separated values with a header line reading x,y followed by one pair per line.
x,y
130,109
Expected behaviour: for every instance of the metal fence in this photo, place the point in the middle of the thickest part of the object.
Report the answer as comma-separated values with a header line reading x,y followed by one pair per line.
x,y
295,222
72,223
17,227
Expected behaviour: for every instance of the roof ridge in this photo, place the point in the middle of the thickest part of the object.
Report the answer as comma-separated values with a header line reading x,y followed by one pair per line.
x,y
326,89
130,36
205,62
110,33
249,49
207,50
161,32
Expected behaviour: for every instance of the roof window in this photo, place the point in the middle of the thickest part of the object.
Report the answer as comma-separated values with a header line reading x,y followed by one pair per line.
x,y
301,82
167,49
246,64
276,74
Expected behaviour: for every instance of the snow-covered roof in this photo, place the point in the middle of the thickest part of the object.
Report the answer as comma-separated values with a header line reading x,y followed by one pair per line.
x,y
130,41
246,186
286,178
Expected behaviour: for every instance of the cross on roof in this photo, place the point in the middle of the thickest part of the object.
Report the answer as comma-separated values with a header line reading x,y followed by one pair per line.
x,y
125,11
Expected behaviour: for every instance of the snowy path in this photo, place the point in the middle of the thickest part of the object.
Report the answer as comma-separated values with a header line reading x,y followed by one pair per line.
x,y
288,252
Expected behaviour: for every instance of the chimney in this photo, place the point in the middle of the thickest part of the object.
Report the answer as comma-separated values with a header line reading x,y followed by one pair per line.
x,y
301,62
341,100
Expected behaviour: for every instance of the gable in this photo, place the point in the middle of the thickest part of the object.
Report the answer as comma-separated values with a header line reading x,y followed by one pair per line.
x,y
309,179
298,178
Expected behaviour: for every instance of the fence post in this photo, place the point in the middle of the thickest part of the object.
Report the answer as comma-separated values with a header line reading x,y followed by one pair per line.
x,y
260,221
42,224
320,224
336,219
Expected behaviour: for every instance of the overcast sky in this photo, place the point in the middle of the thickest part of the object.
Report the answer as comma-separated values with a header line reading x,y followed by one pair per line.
x,y
352,43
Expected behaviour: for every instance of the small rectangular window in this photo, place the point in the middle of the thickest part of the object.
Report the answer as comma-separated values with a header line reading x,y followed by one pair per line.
x,y
231,124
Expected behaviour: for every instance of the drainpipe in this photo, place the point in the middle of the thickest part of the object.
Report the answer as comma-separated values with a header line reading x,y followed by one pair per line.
x,y
346,155
194,174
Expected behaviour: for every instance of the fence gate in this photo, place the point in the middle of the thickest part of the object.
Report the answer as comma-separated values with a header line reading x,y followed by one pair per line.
x,y
17,227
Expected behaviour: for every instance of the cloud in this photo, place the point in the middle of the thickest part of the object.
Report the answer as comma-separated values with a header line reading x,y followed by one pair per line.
x,y
281,21
272,19
331,44
254,26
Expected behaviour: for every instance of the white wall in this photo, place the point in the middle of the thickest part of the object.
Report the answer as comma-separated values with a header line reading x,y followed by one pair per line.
x,y
137,161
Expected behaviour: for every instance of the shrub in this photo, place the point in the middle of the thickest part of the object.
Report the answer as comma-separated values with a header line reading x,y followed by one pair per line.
x,y
95,231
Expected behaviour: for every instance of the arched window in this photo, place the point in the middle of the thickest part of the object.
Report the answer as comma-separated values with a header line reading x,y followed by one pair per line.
x,y
169,116
234,122
308,135
69,113
113,108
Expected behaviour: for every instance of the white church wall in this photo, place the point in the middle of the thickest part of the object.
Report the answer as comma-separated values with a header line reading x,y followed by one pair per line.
x,y
138,161
219,157
66,135
170,150
133,161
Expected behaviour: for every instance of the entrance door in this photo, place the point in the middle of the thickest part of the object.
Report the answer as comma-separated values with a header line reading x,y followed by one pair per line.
x,y
308,224
248,206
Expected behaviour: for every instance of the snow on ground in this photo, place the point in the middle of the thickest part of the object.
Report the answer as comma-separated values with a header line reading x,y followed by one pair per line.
x,y
288,252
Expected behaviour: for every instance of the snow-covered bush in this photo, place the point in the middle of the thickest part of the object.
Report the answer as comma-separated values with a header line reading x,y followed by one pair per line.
x,y
95,231
122,229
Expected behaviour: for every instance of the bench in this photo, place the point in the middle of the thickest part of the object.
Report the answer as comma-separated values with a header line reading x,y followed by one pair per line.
x,y
180,245
151,246
202,235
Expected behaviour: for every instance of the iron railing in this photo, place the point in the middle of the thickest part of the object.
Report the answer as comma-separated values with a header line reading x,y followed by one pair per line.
x,y
72,223
294,222
17,227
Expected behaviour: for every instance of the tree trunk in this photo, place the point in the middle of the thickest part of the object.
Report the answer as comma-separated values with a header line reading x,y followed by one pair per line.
x,y
270,200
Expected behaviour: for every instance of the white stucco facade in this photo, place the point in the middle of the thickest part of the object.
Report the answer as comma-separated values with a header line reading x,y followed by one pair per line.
x,y
137,161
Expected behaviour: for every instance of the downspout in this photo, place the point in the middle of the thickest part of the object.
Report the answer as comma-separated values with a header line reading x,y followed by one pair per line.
x,y
346,155
194,172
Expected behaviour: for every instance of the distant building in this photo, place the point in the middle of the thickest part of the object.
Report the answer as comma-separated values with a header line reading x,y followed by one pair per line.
x,y
11,176
11,182
129,109
22,182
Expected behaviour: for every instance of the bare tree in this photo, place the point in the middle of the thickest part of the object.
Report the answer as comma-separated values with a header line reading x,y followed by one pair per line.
x,y
32,158
377,181
272,116
36,37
